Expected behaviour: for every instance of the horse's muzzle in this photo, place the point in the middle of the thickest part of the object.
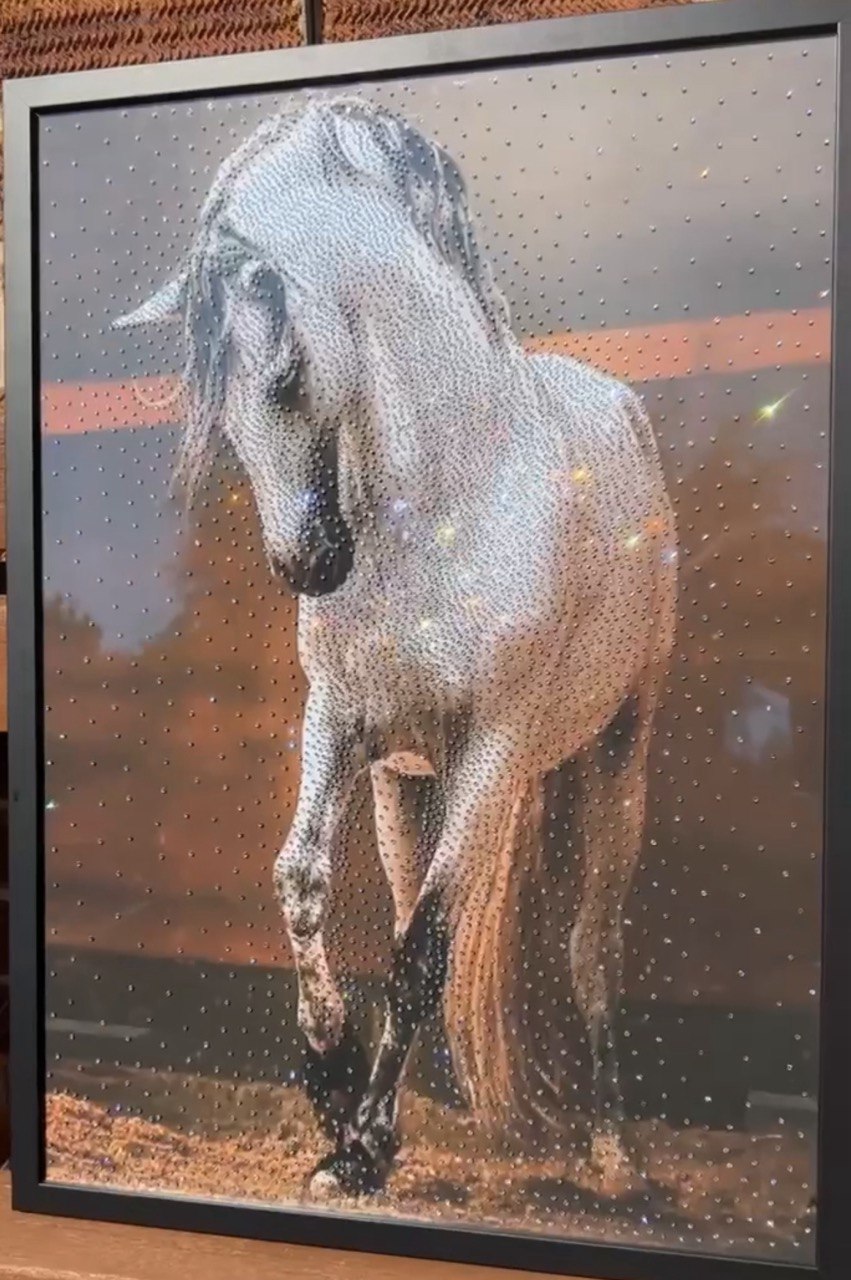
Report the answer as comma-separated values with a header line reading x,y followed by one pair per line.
x,y
324,560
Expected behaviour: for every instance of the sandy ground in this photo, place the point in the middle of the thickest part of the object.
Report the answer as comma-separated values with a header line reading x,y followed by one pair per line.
x,y
715,1192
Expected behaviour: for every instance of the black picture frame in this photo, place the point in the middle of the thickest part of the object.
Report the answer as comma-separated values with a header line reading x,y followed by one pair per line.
x,y
724,22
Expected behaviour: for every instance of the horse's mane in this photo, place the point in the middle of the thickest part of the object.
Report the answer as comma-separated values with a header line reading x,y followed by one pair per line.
x,y
361,144
413,168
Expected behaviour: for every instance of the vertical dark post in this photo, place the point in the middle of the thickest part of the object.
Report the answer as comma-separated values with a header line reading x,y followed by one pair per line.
x,y
313,21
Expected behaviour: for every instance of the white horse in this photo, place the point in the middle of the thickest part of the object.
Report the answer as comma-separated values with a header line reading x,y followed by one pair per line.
x,y
485,554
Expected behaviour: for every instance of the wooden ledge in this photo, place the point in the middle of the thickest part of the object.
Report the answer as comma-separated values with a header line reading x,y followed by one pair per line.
x,y
33,1247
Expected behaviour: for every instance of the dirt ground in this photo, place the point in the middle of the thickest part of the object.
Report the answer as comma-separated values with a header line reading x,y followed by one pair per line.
x,y
708,1191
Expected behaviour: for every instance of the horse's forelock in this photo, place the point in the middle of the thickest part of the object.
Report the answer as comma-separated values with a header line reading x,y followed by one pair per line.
x,y
204,369
219,257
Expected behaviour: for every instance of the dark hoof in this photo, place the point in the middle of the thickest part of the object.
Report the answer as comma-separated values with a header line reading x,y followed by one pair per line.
x,y
335,1081
353,1172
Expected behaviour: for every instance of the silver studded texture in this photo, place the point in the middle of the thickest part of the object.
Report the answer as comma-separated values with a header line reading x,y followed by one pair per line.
x,y
435,493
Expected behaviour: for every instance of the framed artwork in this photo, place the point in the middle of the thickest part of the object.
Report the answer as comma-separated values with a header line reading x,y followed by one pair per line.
x,y
430,656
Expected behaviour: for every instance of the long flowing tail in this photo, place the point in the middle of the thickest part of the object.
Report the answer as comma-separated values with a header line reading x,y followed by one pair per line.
x,y
516,1047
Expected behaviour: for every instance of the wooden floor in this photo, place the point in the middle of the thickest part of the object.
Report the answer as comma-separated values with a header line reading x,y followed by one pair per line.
x,y
38,1248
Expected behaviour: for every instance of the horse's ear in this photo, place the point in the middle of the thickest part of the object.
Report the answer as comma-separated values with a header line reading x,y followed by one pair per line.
x,y
166,304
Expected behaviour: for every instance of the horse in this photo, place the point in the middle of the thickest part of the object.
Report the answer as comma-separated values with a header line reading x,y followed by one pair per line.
x,y
484,552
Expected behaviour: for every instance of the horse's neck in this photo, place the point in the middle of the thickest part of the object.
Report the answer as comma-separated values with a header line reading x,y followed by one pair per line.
x,y
437,390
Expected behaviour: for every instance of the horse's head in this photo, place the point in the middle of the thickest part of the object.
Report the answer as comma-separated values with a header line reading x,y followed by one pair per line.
x,y
247,373
304,230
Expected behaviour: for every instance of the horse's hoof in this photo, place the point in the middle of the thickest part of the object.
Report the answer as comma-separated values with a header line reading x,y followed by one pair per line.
x,y
353,1172
336,1080
608,1171
611,1183
324,1185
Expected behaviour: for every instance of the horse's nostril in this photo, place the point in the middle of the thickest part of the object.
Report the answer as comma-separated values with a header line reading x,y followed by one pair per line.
x,y
323,563
326,574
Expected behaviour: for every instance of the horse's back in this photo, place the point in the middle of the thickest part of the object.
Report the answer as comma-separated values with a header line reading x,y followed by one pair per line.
x,y
591,402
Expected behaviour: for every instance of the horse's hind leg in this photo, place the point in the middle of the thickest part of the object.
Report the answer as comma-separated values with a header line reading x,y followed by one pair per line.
x,y
612,786
336,1067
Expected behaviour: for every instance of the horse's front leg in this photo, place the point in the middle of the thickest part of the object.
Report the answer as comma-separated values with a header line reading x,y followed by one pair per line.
x,y
408,822
336,1066
478,796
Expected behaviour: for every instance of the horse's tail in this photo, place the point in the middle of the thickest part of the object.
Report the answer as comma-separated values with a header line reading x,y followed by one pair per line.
x,y
508,1021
